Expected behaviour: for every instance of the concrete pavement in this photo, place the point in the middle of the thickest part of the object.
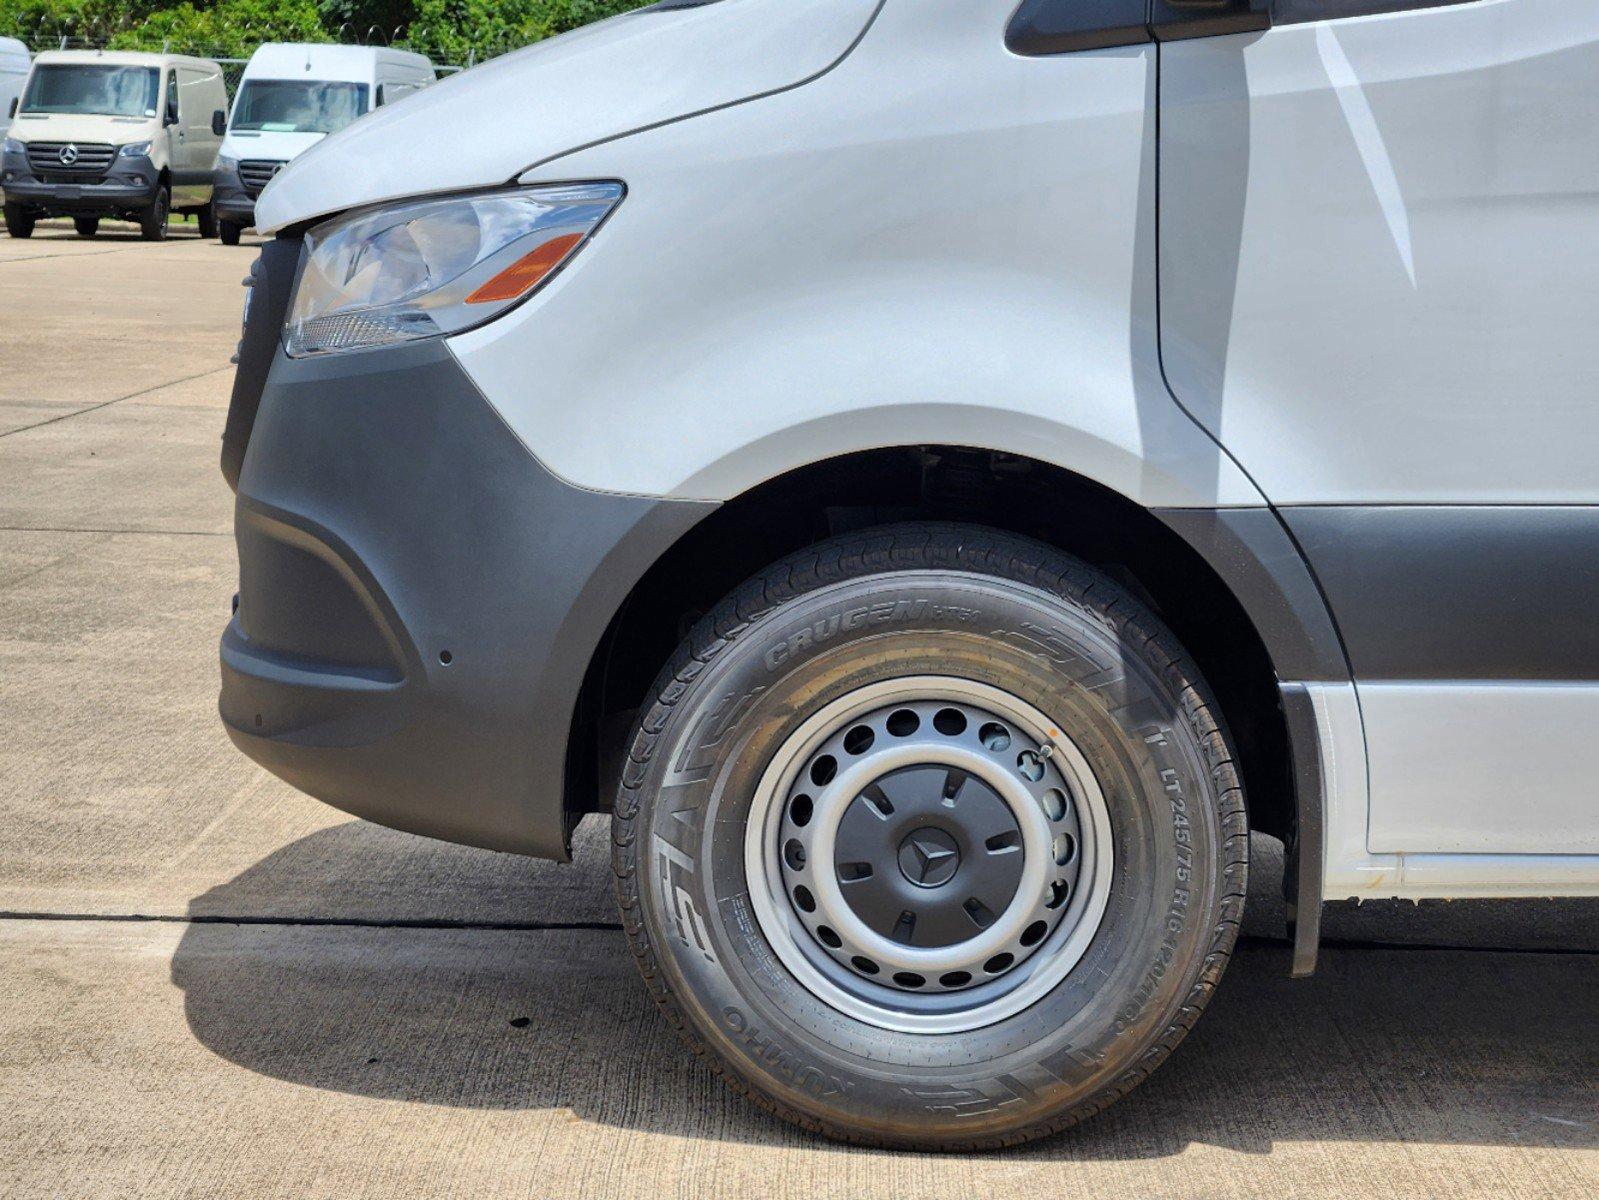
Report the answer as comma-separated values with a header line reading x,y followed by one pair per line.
x,y
287,1016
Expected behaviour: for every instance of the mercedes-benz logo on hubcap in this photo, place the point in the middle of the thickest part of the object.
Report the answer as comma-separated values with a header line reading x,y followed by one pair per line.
x,y
929,857
68,155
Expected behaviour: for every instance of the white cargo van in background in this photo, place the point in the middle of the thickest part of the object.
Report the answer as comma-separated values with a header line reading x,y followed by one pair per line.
x,y
14,62
113,134
290,97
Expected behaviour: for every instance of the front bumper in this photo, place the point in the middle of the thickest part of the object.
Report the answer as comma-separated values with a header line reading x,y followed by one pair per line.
x,y
233,203
419,598
130,184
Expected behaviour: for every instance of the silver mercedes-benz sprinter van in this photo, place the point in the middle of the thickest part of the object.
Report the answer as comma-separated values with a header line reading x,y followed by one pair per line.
x,y
939,473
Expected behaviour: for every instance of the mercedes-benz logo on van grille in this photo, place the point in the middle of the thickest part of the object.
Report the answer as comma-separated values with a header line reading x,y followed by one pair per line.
x,y
68,155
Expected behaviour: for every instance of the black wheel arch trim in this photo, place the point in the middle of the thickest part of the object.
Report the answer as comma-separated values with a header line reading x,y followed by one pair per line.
x,y
1257,558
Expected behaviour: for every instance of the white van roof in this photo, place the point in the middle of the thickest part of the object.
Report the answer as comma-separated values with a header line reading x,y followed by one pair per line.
x,y
124,58
302,60
12,51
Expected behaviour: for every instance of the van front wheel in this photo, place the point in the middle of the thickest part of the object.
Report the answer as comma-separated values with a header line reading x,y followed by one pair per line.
x,y
931,837
153,217
86,226
19,221
229,232
206,219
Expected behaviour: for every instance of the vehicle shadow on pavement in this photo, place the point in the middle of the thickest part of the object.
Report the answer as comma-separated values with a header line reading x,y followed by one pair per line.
x,y
113,233
1406,1045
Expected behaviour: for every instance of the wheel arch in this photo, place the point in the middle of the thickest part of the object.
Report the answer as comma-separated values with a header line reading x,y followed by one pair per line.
x,y
1229,582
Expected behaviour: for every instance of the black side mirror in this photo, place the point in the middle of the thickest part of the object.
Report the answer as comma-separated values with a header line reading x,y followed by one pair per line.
x,y
13,111
172,115
219,122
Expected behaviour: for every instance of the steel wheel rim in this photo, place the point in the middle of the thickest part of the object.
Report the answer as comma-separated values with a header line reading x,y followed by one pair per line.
x,y
938,1004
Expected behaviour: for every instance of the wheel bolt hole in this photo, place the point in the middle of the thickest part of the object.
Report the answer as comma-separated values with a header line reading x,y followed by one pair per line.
x,y
864,965
1001,843
982,916
905,928
1065,847
875,796
828,938
804,900
1030,766
1034,933
950,722
955,979
994,736
903,723
998,963
823,770
859,740
1054,804
794,854
909,979
799,810
1058,891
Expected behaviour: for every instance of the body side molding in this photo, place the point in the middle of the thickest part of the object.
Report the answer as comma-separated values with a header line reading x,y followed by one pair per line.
x,y
1452,592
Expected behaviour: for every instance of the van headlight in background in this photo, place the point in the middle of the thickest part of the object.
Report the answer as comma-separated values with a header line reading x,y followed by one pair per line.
x,y
435,267
135,150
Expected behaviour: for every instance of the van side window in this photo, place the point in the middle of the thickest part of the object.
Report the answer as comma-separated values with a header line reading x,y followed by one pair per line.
x,y
381,100
172,91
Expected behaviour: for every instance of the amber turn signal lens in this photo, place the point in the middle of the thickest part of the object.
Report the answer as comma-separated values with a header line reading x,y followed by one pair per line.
x,y
526,271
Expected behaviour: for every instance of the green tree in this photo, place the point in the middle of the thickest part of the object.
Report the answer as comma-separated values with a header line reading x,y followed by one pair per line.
x,y
449,30
229,29
454,28
357,17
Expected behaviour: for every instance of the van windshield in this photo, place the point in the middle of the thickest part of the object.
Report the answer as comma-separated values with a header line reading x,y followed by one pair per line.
x,y
297,105
93,88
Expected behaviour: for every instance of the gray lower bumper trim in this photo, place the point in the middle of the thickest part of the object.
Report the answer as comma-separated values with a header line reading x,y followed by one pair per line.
x,y
420,599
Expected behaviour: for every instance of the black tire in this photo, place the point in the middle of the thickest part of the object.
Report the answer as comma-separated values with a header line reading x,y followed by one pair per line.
x,y
86,226
153,217
229,232
206,218
19,221
967,604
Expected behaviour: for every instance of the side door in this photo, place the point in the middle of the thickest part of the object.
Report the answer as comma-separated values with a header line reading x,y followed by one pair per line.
x,y
197,100
175,136
1379,280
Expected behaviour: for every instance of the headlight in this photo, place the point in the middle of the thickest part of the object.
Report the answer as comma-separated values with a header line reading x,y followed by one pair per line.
x,y
438,266
14,146
224,163
135,150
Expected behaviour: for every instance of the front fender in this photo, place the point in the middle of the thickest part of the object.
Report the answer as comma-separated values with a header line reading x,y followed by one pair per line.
x,y
935,241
